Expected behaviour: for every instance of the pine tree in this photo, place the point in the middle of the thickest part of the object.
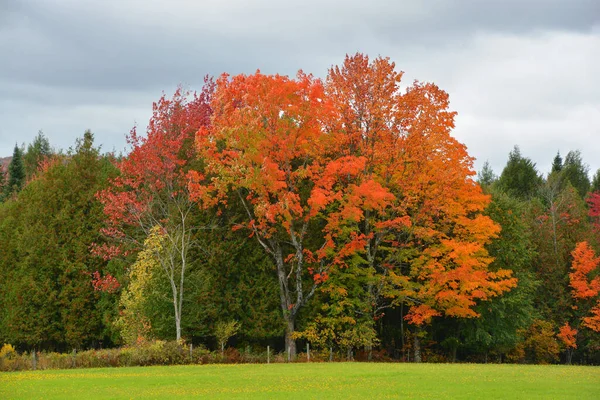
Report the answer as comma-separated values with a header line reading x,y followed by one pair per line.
x,y
16,173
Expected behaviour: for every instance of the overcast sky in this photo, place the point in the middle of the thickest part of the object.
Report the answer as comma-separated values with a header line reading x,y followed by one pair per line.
x,y
523,72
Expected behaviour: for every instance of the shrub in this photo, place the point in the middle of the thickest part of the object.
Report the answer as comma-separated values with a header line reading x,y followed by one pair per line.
x,y
7,351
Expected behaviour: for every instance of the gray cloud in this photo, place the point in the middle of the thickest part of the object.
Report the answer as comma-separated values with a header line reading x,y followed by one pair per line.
x,y
518,72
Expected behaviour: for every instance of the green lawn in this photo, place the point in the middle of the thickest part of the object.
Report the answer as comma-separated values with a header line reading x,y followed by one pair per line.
x,y
327,380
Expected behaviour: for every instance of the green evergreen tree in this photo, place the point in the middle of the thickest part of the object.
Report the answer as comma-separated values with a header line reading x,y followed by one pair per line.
x,y
16,173
497,331
36,152
486,177
595,187
557,163
519,178
576,172
48,300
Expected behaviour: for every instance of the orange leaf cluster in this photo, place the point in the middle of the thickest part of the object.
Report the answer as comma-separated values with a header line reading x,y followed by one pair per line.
x,y
567,336
585,263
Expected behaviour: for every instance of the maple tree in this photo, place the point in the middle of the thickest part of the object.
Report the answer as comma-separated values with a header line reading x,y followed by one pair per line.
x,y
593,201
151,190
416,213
567,336
585,283
265,148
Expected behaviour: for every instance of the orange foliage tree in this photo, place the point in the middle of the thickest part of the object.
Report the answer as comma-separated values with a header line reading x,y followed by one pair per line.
x,y
429,206
416,213
372,172
568,336
266,149
585,284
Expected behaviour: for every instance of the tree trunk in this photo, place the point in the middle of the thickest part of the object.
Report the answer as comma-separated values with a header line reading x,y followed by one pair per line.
x,y
402,344
417,345
177,316
290,344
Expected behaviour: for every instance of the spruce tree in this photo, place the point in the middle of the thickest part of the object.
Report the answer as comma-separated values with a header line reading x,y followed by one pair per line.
x,y
576,172
596,182
16,173
36,152
519,178
557,163
486,176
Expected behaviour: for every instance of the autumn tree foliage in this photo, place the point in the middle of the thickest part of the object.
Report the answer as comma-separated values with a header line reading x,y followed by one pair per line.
x,y
377,168
417,216
151,190
133,322
585,284
265,148
593,201
568,337
341,212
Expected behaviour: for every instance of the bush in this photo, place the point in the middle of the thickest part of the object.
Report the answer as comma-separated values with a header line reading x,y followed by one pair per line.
x,y
7,351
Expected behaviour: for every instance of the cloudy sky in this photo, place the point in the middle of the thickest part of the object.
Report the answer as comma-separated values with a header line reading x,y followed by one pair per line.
x,y
523,72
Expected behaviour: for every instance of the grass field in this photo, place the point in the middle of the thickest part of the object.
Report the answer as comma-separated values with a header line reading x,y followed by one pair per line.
x,y
316,381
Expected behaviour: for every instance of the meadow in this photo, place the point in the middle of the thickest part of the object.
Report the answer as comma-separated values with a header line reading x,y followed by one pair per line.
x,y
309,380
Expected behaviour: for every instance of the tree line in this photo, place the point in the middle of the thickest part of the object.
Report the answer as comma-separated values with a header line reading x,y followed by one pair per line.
x,y
337,212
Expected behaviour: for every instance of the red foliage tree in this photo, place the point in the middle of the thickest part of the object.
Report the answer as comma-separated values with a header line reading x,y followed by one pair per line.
x,y
152,189
593,202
